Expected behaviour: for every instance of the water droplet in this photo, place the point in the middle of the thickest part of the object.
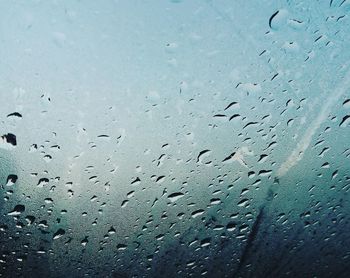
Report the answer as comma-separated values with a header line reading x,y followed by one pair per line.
x,y
124,203
345,121
8,140
11,180
17,210
59,233
231,226
42,182
346,103
84,241
173,197
197,213
121,247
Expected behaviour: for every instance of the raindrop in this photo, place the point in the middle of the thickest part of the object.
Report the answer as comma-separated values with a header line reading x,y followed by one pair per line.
x,y
121,247
202,154
231,226
11,180
10,139
215,201
59,233
42,182
111,230
197,213
272,17
17,210
136,181
205,242
346,103
175,196
47,158
124,203
30,219
233,104
278,19
229,158
130,194
243,202
345,121
14,114
84,241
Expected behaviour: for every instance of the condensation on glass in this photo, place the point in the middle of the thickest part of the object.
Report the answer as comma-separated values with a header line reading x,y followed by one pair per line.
x,y
174,138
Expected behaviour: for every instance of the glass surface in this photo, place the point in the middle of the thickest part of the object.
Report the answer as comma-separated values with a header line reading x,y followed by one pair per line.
x,y
175,138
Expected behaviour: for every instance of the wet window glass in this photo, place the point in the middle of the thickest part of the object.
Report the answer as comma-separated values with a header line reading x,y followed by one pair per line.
x,y
175,138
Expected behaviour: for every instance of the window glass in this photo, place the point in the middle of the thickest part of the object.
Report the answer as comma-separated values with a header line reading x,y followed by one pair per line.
x,y
174,138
